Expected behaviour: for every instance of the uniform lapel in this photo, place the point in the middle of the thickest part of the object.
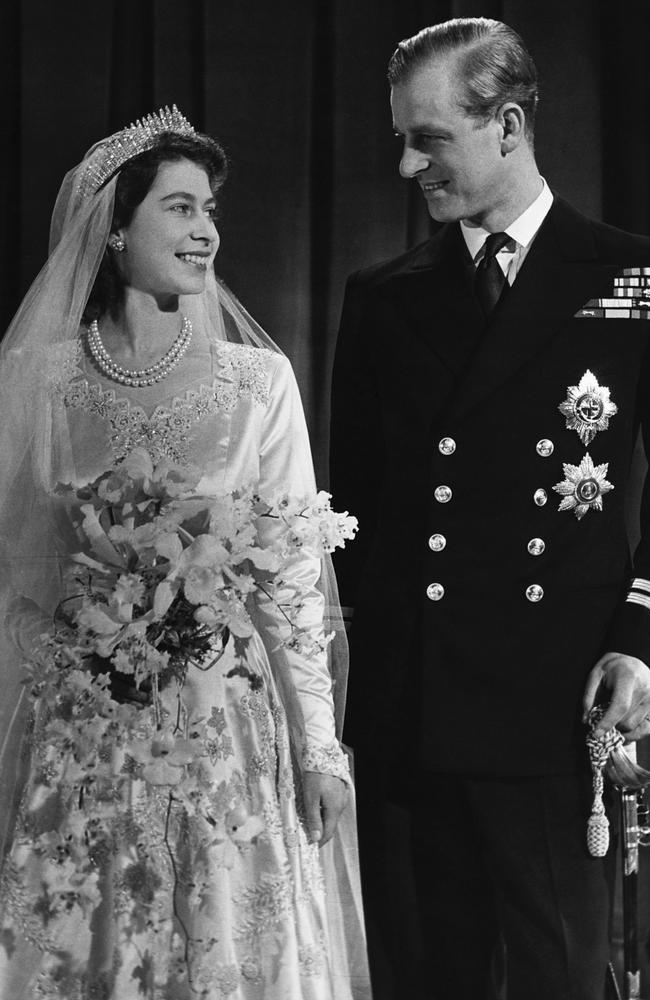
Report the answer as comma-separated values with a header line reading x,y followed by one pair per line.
x,y
558,276
433,296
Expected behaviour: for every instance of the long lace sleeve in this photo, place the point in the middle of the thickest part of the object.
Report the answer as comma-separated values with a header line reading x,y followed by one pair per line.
x,y
286,466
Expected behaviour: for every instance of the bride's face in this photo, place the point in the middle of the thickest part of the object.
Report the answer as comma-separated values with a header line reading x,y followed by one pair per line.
x,y
172,238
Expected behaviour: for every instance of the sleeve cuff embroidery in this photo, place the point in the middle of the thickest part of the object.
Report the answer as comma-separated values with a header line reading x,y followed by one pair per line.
x,y
639,592
329,759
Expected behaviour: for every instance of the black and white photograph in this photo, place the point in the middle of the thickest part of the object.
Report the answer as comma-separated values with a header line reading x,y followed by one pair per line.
x,y
324,522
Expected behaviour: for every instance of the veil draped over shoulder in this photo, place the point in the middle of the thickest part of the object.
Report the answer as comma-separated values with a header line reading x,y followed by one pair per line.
x,y
35,441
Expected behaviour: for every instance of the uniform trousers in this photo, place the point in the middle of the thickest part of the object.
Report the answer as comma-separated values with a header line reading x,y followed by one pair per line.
x,y
509,903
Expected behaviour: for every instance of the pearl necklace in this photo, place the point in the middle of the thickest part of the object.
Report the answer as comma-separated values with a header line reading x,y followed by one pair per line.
x,y
142,376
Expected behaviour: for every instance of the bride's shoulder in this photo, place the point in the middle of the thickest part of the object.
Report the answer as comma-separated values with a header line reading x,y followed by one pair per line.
x,y
240,362
61,361
244,353
247,372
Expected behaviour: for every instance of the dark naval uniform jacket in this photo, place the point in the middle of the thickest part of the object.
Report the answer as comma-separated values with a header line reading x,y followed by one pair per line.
x,y
488,465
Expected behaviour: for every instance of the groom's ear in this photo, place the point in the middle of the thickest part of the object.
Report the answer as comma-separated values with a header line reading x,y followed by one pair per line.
x,y
512,120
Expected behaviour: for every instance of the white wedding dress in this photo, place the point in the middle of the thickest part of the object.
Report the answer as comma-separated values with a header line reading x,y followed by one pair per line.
x,y
247,909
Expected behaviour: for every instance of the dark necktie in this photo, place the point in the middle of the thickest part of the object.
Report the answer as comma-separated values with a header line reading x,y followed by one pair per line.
x,y
490,279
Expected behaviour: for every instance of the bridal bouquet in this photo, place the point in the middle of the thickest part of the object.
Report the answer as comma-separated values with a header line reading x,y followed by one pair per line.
x,y
160,578
163,577
161,572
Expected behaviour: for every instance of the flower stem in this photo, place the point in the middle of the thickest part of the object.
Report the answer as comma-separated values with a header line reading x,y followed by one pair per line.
x,y
273,601
175,909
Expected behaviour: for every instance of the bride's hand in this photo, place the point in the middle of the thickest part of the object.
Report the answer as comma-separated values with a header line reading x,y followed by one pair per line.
x,y
325,800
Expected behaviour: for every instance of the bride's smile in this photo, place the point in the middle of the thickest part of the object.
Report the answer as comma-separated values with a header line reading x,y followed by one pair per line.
x,y
172,238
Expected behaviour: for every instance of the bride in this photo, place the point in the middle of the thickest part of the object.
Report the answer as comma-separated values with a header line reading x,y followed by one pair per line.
x,y
129,359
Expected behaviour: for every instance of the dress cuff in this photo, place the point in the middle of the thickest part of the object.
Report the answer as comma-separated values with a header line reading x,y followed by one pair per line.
x,y
329,759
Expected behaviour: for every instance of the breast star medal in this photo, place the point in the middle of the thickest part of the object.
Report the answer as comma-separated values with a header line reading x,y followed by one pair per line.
x,y
583,487
587,408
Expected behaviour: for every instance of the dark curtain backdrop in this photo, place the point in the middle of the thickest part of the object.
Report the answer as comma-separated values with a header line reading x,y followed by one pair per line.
x,y
296,91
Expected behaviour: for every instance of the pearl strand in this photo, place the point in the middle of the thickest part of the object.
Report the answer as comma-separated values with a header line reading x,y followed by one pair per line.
x,y
142,376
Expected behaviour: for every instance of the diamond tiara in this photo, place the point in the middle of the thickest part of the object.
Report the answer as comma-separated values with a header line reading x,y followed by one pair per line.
x,y
114,152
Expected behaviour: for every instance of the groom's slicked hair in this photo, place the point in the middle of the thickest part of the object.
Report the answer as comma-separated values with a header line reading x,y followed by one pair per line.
x,y
493,64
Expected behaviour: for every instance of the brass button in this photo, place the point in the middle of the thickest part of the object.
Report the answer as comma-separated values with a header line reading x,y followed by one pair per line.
x,y
536,546
534,593
435,591
540,497
443,494
545,447
437,543
447,446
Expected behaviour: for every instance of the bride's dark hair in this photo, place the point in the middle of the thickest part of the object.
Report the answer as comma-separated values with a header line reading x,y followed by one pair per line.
x,y
134,181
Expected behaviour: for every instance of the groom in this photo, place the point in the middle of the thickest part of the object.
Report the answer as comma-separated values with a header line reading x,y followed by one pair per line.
x,y
488,390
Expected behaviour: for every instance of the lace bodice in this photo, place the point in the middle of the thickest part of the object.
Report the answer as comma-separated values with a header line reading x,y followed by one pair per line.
x,y
242,373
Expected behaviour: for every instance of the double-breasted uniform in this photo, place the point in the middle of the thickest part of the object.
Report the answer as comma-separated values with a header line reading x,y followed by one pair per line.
x,y
479,606
489,466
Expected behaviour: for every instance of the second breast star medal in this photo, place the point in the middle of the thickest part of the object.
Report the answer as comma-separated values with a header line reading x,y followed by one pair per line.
x,y
587,408
583,487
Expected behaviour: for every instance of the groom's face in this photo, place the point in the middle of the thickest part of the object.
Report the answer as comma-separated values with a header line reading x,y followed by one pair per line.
x,y
456,159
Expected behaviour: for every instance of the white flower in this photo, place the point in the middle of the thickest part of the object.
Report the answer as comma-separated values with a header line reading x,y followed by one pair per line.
x,y
201,584
137,465
163,596
129,589
164,757
169,546
94,618
265,559
169,480
226,608
204,552
200,567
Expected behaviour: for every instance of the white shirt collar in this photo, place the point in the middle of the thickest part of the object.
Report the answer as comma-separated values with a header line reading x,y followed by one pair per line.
x,y
522,230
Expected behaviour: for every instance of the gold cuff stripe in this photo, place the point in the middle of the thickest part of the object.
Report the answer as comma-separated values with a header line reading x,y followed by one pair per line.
x,y
639,599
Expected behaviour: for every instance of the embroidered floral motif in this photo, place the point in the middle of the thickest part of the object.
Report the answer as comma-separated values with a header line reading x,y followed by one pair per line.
x,y
326,760
264,761
272,820
291,840
226,794
312,873
217,720
260,763
227,979
311,960
281,730
246,369
219,748
166,433
265,903
62,363
251,970
254,705
286,787
50,986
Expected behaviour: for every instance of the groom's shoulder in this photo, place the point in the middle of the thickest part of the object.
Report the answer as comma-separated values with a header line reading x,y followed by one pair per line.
x,y
382,271
617,244
612,244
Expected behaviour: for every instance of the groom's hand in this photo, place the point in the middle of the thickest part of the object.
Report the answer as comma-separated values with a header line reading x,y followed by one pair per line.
x,y
624,681
325,799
